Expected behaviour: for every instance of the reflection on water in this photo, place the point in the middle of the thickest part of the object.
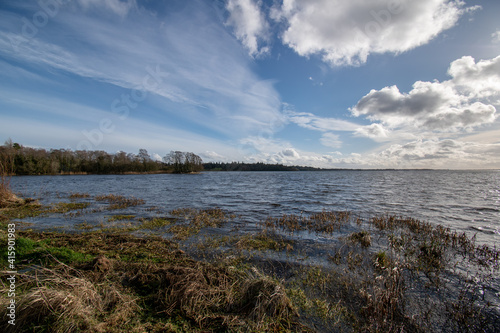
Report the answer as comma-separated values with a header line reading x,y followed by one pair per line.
x,y
462,200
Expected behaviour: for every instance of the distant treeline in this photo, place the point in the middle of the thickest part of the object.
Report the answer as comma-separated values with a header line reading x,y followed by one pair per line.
x,y
239,166
18,160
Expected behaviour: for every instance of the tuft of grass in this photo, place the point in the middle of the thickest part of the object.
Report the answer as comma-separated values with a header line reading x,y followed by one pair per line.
x,y
194,220
381,261
263,241
64,207
79,195
62,300
120,218
362,237
324,222
156,222
119,201
31,209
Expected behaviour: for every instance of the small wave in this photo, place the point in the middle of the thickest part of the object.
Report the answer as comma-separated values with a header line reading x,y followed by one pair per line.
x,y
481,229
487,209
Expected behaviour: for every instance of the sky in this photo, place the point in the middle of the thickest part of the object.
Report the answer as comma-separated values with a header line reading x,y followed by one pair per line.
x,y
324,83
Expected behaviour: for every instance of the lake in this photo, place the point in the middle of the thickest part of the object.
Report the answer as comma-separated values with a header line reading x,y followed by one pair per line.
x,y
462,200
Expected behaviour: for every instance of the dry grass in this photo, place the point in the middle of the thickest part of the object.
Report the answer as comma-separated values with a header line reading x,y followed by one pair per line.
x,y
78,195
362,237
155,288
62,300
7,197
324,222
392,275
119,201
192,221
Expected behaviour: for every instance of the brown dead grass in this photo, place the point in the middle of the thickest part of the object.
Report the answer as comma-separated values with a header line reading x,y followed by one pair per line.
x,y
123,289
65,300
7,197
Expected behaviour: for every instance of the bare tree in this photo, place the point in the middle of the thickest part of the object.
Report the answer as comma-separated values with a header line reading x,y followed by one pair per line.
x,y
184,162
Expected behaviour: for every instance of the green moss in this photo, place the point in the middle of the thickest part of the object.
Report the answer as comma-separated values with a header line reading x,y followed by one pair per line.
x,y
24,245
67,255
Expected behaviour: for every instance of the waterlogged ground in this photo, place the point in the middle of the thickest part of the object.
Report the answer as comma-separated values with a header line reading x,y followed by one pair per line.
x,y
466,201
337,270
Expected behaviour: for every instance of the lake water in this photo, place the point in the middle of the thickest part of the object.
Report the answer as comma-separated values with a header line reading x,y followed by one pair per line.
x,y
462,200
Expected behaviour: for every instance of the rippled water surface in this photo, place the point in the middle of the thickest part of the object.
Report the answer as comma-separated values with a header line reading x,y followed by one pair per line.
x,y
462,200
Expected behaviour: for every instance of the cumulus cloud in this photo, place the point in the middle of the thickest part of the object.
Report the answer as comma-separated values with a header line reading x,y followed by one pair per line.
x,y
441,154
347,32
428,153
375,131
157,157
290,152
465,101
477,80
249,24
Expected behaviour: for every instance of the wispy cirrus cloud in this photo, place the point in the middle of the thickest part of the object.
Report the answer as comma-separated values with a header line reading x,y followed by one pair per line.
x,y
118,7
196,61
327,126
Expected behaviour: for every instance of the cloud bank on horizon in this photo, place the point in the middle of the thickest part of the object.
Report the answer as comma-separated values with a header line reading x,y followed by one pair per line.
x,y
327,83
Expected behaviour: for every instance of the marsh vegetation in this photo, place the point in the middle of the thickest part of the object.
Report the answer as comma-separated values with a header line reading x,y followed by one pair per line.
x,y
182,271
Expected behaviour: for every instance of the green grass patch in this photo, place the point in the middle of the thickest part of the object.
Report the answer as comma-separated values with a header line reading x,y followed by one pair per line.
x,y
31,251
79,195
156,222
263,241
120,218
64,207
119,201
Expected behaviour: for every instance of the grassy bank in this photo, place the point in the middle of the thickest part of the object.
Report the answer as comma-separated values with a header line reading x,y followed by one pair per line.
x,y
386,274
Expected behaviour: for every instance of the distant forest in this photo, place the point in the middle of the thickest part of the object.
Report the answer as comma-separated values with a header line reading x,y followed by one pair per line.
x,y
239,166
16,159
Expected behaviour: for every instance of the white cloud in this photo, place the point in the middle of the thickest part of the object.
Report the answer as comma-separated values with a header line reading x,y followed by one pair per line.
x,y
330,140
290,152
440,154
432,153
374,131
197,62
347,32
495,37
316,123
250,25
156,157
213,156
118,7
477,80
465,101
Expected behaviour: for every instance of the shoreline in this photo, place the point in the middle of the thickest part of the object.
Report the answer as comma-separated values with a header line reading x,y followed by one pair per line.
x,y
249,171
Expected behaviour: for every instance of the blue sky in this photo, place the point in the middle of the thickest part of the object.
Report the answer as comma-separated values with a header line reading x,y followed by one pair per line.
x,y
327,83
